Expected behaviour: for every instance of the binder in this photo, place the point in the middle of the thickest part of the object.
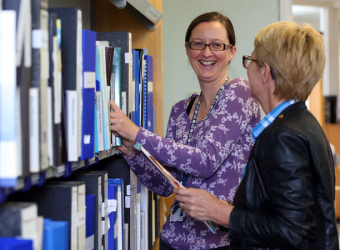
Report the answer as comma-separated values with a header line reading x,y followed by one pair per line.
x,y
104,212
136,86
9,148
56,235
119,214
39,82
51,205
124,41
93,187
71,42
88,92
99,139
23,64
112,209
55,84
117,167
79,232
149,91
103,88
90,221
19,219
8,243
116,86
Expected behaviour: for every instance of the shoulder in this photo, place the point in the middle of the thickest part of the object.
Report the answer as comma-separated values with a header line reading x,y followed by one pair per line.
x,y
181,105
295,122
240,85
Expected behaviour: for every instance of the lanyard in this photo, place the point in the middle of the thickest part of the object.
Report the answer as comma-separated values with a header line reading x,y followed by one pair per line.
x,y
194,118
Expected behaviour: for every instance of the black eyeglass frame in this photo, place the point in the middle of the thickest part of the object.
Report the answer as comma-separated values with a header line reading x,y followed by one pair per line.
x,y
225,46
248,58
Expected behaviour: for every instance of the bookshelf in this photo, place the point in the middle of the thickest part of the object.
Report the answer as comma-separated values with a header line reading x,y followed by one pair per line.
x,y
108,17
102,15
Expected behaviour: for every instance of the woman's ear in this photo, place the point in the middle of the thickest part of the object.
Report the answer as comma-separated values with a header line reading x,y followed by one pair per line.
x,y
265,73
232,52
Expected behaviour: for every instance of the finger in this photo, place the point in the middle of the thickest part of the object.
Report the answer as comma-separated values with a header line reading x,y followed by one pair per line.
x,y
114,106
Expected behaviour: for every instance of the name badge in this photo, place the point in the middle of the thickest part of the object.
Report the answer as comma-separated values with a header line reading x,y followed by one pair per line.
x,y
176,213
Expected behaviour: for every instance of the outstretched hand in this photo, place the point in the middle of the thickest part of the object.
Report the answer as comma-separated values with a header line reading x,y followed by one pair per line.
x,y
121,125
202,205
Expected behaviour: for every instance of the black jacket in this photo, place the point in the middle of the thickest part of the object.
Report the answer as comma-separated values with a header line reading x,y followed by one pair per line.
x,y
286,198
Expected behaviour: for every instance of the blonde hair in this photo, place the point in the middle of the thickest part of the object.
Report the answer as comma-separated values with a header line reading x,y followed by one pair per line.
x,y
296,56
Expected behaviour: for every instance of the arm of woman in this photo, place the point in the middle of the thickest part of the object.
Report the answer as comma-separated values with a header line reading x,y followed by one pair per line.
x,y
286,172
230,120
145,171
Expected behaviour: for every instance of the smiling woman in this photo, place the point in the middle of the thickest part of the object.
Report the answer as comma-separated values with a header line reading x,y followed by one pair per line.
x,y
208,136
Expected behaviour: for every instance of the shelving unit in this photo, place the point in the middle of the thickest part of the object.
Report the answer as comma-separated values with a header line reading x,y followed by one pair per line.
x,y
143,11
134,18
143,19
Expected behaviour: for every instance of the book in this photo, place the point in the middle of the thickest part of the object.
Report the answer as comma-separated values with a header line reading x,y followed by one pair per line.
x,y
90,221
93,184
9,148
48,199
88,92
71,49
169,177
56,235
116,87
124,41
117,167
104,212
148,81
79,233
119,214
19,219
99,124
112,209
12,243
23,58
39,81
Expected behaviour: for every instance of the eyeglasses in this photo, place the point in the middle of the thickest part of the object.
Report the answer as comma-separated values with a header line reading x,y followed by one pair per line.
x,y
212,46
247,60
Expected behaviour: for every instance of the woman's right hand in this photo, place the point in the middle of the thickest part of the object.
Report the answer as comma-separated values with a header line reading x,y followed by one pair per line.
x,y
121,125
127,148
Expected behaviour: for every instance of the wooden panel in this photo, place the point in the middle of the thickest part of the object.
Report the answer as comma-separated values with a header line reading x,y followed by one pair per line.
x,y
332,132
317,104
110,18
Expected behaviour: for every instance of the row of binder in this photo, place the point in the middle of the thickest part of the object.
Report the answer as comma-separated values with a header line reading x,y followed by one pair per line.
x,y
56,82
102,208
55,92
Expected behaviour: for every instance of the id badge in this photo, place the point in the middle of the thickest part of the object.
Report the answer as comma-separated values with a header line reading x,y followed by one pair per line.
x,y
176,213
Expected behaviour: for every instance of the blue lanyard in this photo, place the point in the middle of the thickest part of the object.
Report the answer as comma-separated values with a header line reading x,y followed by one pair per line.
x,y
194,118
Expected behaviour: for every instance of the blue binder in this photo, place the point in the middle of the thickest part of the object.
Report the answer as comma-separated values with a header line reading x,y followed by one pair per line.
x,y
55,235
136,78
149,86
118,216
7,243
90,221
112,210
88,92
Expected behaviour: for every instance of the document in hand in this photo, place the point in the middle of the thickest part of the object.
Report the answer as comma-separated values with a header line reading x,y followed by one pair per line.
x,y
173,181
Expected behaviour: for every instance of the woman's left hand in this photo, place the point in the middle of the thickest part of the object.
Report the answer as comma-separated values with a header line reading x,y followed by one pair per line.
x,y
202,205
121,125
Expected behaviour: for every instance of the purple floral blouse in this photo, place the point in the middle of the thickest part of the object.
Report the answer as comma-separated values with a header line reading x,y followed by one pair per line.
x,y
221,144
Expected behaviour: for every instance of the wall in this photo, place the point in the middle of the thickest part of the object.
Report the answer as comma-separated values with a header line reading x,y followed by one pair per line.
x,y
248,17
